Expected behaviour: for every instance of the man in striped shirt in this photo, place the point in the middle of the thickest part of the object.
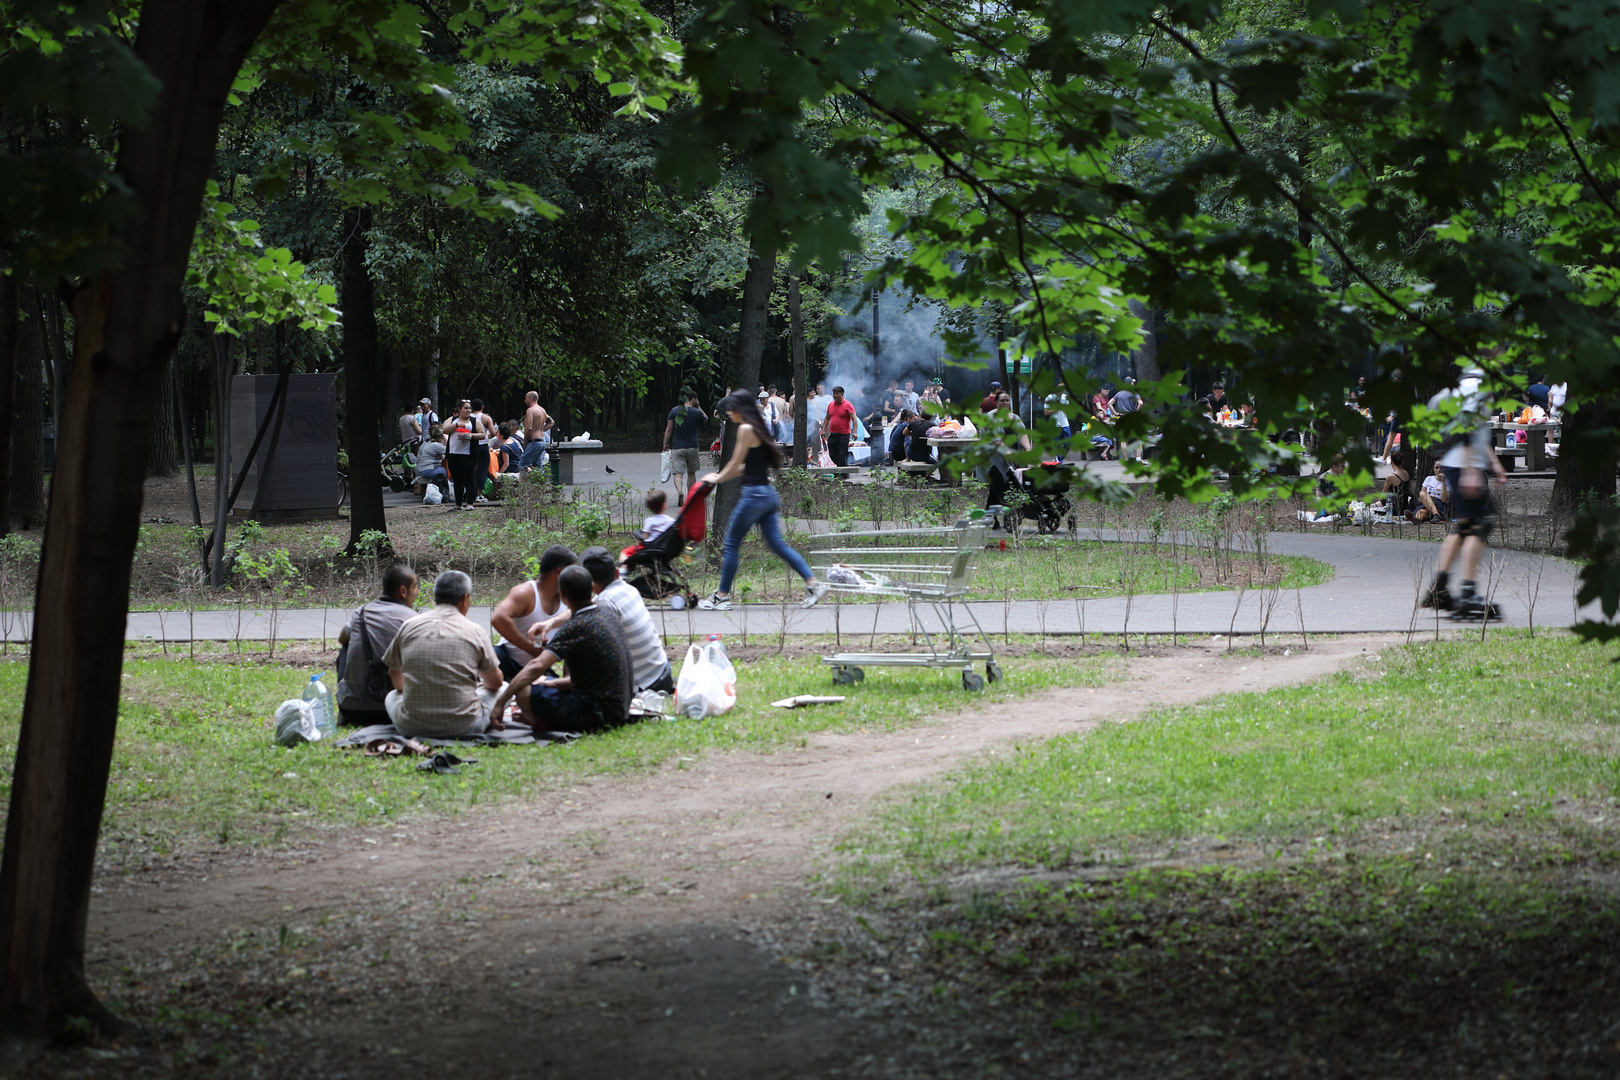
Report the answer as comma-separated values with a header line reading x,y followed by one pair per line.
x,y
649,665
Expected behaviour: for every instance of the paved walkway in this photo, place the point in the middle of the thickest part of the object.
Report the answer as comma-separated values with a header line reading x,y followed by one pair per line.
x,y
1374,589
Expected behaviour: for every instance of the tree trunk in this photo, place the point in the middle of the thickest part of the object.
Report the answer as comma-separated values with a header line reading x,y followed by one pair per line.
x,y
801,414
27,510
10,335
224,350
392,409
126,324
1586,461
60,360
164,455
756,304
360,419
1145,360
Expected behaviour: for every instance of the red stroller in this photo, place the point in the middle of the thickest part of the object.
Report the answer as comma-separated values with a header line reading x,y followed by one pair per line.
x,y
652,567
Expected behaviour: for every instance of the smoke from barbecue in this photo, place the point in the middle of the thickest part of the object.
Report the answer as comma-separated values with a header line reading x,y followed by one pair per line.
x,y
910,345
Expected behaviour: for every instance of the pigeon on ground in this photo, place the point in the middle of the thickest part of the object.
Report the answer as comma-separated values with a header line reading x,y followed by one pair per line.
x,y
609,468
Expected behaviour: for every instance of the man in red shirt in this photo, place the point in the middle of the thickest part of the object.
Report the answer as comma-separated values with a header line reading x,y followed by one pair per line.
x,y
840,425
988,405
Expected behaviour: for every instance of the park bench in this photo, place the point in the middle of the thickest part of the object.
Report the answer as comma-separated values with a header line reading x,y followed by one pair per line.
x,y
916,468
837,471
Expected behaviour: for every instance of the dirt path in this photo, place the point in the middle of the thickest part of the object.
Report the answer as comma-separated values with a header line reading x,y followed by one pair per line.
x,y
603,928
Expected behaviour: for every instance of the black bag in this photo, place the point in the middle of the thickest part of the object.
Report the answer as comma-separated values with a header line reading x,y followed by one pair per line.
x,y
377,683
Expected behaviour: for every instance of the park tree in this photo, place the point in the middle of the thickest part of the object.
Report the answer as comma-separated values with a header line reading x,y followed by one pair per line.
x,y
117,222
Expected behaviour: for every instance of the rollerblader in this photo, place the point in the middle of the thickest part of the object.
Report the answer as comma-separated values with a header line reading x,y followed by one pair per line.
x,y
1466,456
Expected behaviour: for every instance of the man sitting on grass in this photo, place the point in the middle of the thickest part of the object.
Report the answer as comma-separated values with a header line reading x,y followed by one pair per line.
x,y
594,695
649,664
371,629
443,668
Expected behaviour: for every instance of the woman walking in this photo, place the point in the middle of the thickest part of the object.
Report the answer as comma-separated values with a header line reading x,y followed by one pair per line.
x,y
753,456
459,455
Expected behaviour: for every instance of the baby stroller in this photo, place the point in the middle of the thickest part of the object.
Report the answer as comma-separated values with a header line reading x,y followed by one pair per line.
x,y
1046,485
652,567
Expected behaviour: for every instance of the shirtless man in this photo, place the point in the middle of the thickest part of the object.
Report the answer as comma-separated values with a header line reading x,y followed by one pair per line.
x,y
526,609
784,417
536,422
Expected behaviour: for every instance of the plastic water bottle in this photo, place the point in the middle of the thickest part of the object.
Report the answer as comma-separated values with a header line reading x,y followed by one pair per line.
x,y
321,703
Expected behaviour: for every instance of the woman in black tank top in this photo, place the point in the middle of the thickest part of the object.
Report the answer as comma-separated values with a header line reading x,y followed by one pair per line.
x,y
752,457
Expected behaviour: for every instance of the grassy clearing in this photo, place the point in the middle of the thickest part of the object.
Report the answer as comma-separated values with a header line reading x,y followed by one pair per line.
x,y
194,761
1514,728
1407,870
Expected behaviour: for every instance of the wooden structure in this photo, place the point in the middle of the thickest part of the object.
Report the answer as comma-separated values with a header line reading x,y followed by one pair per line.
x,y
303,479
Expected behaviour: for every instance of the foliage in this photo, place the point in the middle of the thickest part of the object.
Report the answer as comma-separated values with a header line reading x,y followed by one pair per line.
x,y
1302,193
243,284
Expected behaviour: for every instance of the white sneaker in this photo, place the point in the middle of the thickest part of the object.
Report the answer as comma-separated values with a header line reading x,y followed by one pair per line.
x,y
481,501
715,602
813,592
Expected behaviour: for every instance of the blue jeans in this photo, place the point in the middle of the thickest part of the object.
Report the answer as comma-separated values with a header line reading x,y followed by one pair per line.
x,y
434,476
532,453
757,505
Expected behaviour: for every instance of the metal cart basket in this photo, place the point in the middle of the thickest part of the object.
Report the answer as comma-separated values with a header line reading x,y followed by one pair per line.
x,y
931,569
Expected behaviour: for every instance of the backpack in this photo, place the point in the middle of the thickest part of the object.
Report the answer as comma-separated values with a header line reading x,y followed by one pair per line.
x,y
376,682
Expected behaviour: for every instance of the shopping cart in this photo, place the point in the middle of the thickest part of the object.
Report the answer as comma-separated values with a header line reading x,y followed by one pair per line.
x,y
931,569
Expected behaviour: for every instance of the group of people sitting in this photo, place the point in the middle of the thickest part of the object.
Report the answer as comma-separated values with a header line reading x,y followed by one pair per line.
x,y
449,680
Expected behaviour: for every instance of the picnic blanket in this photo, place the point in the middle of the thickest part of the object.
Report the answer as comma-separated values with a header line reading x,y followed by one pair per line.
x,y
507,736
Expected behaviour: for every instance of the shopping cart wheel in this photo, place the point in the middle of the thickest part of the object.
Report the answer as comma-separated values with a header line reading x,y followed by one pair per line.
x,y
992,671
972,681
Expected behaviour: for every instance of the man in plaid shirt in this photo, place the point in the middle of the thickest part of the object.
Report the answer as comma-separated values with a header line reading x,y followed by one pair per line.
x,y
444,669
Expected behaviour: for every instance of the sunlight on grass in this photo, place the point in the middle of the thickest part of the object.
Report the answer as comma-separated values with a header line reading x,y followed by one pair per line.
x,y
1504,727
195,759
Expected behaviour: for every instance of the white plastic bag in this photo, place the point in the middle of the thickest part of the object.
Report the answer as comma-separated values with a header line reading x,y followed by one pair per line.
x,y
704,687
295,723
967,430
433,496
663,467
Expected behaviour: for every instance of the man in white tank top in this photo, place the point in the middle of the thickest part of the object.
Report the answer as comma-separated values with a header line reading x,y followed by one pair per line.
x,y
525,607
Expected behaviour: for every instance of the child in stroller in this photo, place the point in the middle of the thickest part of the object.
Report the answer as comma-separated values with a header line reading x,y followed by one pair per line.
x,y
1046,485
652,567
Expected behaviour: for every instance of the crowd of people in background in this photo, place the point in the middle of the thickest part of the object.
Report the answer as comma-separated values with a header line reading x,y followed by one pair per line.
x,y
465,453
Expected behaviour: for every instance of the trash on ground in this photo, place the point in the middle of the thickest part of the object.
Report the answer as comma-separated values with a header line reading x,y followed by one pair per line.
x,y
808,699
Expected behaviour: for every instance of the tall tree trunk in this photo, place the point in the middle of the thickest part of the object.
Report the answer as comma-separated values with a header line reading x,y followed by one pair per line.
x,y
1586,461
163,458
10,335
392,409
126,324
360,419
224,352
801,415
1146,358
27,510
756,304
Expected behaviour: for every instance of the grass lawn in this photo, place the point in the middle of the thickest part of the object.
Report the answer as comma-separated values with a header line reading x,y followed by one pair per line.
x,y
1405,870
1515,729
1042,568
195,761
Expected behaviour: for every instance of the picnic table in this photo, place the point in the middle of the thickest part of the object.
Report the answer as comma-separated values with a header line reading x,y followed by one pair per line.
x,y
1535,447
946,447
562,458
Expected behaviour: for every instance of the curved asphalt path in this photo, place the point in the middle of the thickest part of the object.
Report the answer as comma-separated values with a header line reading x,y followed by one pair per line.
x,y
1374,590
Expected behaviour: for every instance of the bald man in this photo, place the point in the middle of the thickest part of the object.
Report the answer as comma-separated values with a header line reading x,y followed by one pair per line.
x,y
536,423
